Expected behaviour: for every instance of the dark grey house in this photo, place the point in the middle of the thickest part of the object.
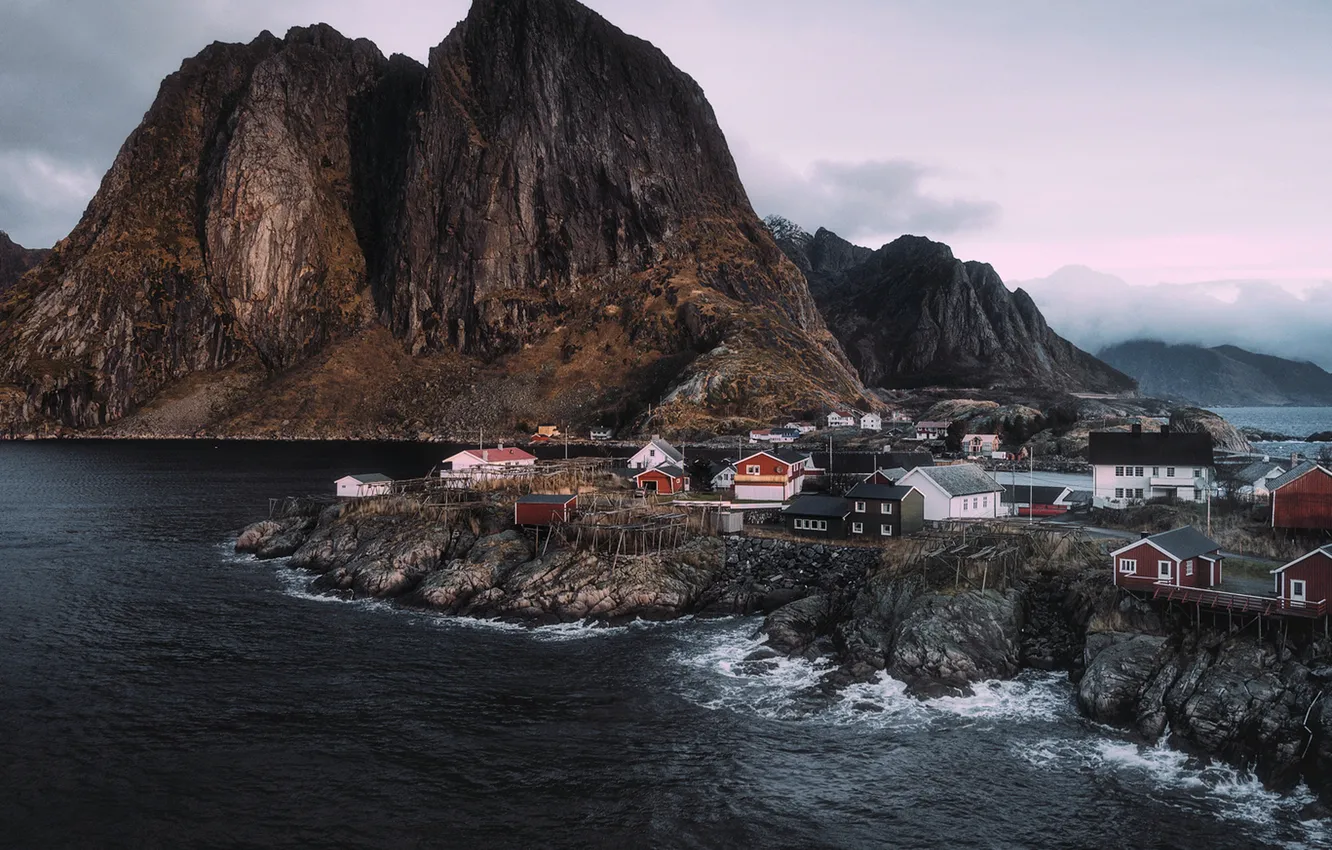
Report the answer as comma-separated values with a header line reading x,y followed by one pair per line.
x,y
877,510
816,516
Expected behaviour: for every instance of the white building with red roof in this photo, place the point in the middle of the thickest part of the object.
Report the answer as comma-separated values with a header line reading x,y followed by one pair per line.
x,y
487,463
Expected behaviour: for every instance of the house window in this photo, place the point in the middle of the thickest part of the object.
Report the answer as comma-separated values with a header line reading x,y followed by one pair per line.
x,y
1119,472
1156,470
886,508
860,507
1165,570
886,530
1138,493
811,524
1128,565
652,452
986,501
1140,472
1198,473
752,469
857,528
1188,567
1119,492
1170,472
1297,590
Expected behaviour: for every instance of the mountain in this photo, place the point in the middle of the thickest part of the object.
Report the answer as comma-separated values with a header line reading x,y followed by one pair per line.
x,y
1224,376
911,314
304,237
15,260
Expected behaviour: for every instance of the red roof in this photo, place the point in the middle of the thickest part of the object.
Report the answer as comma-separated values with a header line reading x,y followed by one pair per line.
x,y
500,455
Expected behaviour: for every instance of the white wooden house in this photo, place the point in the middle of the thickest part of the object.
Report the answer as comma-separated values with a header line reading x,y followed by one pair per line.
x,y
1132,466
871,422
366,484
960,491
656,452
977,445
842,419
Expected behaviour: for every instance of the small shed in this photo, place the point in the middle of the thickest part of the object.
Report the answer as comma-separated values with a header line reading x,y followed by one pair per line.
x,y
667,478
541,509
365,484
1307,580
1184,557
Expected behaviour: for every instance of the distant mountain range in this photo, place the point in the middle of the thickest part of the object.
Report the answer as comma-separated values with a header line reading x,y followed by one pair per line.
x,y
15,260
911,315
1224,376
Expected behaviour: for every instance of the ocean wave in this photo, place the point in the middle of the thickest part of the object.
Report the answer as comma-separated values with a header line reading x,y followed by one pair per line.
x,y
1182,781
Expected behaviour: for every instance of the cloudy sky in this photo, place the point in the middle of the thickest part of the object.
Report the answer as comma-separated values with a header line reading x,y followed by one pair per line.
x,y
1183,141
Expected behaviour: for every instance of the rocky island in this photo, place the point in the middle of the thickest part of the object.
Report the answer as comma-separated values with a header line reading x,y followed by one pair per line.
x,y
938,624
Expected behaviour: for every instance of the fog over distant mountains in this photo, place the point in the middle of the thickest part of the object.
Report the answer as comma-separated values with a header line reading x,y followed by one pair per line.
x,y
1094,310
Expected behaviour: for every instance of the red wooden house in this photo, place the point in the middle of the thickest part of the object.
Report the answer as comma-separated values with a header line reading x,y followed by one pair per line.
x,y
667,478
541,509
772,475
1302,498
1307,580
1184,557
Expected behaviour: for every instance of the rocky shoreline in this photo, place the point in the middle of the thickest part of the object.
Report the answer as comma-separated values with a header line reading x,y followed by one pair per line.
x,y
1154,672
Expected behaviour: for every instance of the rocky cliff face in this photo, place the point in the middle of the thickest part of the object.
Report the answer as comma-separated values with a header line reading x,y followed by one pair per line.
x,y
15,260
1224,376
912,315
550,197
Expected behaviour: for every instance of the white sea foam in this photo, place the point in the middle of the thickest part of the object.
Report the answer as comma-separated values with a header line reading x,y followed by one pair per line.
x,y
719,678
1183,781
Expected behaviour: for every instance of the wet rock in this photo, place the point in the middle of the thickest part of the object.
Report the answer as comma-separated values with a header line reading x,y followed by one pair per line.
x,y
257,534
794,629
486,566
275,538
947,643
1118,669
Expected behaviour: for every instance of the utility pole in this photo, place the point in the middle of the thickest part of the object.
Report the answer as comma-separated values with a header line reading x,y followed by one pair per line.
x,y
1031,488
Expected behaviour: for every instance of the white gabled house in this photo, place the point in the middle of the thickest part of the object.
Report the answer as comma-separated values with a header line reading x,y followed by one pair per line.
x,y
1132,466
960,491
802,427
842,419
366,484
977,445
657,452
871,422
723,476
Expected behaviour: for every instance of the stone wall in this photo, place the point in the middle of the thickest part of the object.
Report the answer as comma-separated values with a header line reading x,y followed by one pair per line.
x,y
762,573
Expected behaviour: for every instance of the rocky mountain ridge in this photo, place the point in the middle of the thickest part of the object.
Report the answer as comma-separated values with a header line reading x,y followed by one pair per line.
x,y
911,314
16,261
306,238
1223,375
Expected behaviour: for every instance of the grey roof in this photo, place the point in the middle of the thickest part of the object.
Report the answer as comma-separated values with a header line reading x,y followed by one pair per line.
x,y
963,479
716,468
1257,471
370,478
892,474
667,449
881,492
1298,472
1185,542
790,455
1077,497
820,506
1040,494
546,499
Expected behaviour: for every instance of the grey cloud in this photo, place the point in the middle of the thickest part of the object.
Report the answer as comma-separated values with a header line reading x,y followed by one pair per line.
x,y
859,200
1094,310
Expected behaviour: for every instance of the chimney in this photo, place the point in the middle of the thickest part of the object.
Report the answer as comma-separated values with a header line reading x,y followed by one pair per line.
x,y
1294,459
1137,429
1143,535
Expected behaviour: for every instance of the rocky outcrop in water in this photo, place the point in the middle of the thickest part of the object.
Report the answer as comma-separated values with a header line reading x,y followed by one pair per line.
x,y
1193,420
912,315
304,236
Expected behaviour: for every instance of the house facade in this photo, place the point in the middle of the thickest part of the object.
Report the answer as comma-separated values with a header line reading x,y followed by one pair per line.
x,y
803,427
882,511
655,453
871,422
842,419
976,445
1131,466
1184,557
1302,498
960,491
932,430
723,476
774,475
487,463
774,435
667,479
365,484
816,516
601,433
1307,580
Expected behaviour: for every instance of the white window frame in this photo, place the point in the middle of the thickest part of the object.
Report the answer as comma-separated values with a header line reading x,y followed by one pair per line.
x,y
753,469
811,524
885,530
886,508
1128,565
1119,492
860,507
1139,475
1156,471
857,528
1119,472
1165,570
1303,593
1188,567
1170,472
